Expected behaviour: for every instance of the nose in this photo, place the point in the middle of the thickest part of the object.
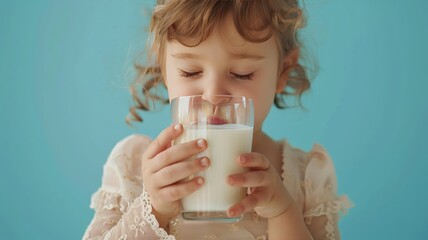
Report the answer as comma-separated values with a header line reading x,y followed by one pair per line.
x,y
214,91
216,99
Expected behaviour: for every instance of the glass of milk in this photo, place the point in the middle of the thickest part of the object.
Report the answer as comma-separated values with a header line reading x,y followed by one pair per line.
x,y
226,123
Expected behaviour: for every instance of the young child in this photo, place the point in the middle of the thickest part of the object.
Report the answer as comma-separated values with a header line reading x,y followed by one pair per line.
x,y
229,47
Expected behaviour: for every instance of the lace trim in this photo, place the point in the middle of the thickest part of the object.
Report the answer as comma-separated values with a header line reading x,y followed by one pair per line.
x,y
284,174
106,200
150,218
175,226
340,205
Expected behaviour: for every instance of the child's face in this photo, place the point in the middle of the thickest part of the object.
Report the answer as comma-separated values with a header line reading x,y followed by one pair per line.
x,y
226,64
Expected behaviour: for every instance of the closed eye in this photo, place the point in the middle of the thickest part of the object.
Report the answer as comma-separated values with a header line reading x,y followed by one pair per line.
x,y
242,77
189,74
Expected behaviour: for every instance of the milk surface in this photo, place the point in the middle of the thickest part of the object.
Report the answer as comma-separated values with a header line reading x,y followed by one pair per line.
x,y
225,143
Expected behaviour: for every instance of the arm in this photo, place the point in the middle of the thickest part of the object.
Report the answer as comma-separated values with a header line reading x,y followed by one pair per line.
x,y
323,227
122,207
289,224
322,205
162,168
136,223
269,198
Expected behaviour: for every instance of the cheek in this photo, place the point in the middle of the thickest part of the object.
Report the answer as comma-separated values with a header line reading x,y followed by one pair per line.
x,y
262,104
263,100
178,90
261,109
174,87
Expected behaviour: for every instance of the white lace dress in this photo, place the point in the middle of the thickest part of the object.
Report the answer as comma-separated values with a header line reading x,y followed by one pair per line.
x,y
123,210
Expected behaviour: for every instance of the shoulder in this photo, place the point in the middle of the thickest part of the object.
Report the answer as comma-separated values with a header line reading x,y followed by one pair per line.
x,y
304,157
316,158
121,180
125,157
313,181
132,145
303,168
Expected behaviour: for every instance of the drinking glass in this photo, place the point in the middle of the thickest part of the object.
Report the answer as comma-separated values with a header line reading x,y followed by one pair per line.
x,y
226,123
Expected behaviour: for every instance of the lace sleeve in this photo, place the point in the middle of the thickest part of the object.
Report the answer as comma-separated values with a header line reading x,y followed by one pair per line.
x,y
122,207
110,222
323,206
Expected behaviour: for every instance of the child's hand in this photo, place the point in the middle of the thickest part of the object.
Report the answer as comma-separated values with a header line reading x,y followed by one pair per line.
x,y
267,195
165,166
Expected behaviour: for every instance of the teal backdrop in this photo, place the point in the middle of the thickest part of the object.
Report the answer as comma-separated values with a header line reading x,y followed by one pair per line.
x,y
65,67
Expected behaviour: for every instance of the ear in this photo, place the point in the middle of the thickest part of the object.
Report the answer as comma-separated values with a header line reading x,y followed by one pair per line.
x,y
289,61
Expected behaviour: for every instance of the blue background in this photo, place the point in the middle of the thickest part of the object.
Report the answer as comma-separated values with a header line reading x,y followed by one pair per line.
x,y
64,74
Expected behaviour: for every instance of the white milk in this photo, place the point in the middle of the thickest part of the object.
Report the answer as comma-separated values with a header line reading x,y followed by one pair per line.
x,y
225,143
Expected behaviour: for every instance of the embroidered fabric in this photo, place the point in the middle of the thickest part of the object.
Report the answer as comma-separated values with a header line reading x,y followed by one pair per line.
x,y
340,205
123,207
120,209
320,190
104,200
135,222
151,219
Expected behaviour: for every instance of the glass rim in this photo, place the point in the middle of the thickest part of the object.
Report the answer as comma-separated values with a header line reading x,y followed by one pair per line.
x,y
215,95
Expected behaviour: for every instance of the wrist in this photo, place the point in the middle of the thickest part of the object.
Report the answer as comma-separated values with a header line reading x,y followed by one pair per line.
x,y
290,223
282,206
290,211
163,219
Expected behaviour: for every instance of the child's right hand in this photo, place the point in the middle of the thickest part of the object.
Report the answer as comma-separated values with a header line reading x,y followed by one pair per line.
x,y
164,167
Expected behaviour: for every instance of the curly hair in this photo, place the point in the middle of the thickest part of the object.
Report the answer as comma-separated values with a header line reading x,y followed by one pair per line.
x,y
180,19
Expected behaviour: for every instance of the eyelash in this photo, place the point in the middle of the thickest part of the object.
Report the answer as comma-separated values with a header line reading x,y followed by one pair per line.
x,y
195,74
243,77
189,74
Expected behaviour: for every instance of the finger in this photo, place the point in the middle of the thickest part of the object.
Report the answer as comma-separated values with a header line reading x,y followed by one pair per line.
x,y
179,190
163,140
254,160
250,179
246,205
180,171
178,153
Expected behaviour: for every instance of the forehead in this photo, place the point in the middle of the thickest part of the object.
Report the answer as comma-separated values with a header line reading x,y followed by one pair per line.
x,y
225,35
228,29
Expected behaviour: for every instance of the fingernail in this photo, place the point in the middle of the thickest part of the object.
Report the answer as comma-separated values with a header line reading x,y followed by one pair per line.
x,y
200,181
242,159
204,162
231,180
231,213
201,143
177,127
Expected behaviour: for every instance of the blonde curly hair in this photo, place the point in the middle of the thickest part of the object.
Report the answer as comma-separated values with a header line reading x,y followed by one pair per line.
x,y
180,19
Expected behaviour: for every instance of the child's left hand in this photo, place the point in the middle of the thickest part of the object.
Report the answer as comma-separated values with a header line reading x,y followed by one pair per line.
x,y
267,195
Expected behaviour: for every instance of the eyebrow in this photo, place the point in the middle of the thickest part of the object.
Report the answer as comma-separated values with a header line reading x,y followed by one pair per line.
x,y
235,56
247,56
